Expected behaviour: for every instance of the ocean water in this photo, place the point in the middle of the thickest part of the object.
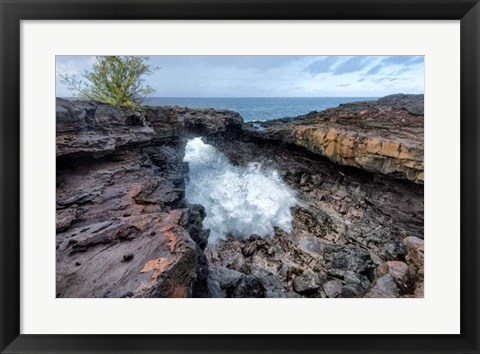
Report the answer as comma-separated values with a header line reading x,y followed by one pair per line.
x,y
238,200
258,108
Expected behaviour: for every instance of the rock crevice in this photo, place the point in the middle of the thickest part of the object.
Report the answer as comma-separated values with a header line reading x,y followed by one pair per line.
x,y
125,228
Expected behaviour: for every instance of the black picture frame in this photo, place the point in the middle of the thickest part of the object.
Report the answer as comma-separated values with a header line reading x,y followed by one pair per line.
x,y
14,11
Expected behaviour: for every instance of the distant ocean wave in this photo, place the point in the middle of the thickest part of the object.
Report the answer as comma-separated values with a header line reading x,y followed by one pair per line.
x,y
258,108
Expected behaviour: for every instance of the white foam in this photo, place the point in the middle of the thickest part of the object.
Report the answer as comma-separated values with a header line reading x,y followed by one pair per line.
x,y
239,201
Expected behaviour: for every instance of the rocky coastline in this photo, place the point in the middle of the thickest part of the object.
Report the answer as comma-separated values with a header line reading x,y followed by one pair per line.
x,y
126,229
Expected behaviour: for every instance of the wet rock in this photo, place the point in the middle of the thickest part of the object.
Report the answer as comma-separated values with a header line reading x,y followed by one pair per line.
x,y
304,179
195,226
200,287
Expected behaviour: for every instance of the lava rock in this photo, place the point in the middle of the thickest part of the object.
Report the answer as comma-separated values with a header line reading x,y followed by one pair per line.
x,y
398,270
415,255
333,288
247,286
352,290
306,283
225,277
384,287
127,257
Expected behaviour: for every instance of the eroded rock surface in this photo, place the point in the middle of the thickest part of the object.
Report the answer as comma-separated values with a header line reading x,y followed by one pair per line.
x,y
350,229
383,136
125,229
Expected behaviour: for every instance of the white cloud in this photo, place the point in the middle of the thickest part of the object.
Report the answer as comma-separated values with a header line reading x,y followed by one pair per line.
x,y
272,76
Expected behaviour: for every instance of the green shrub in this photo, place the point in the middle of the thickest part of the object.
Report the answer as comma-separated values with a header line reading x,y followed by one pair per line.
x,y
117,80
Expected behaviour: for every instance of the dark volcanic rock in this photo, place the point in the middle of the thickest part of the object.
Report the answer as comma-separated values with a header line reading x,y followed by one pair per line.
x,y
247,286
307,282
97,129
384,287
125,229
352,290
412,103
65,217
349,223
111,221
195,226
209,121
333,288
398,271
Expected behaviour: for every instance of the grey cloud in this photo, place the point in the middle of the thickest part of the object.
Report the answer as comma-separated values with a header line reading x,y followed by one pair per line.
x,y
375,70
321,66
254,62
403,60
417,60
406,63
351,65
261,76
384,79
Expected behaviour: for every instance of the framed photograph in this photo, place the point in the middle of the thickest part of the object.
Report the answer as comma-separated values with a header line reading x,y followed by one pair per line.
x,y
238,176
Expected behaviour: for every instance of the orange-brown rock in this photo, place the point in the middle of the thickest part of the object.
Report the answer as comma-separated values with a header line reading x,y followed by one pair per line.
x,y
381,136
115,246
123,224
125,229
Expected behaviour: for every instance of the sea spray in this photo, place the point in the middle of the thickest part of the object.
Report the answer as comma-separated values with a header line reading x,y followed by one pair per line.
x,y
239,201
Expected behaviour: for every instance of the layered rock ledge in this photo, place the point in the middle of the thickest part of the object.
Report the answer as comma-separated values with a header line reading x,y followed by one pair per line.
x,y
125,228
383,136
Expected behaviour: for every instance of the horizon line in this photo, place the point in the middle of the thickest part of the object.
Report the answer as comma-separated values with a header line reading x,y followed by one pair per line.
x,y
376,96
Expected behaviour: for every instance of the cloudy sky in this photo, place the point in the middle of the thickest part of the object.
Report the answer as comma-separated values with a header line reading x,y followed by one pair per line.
x,y
271,76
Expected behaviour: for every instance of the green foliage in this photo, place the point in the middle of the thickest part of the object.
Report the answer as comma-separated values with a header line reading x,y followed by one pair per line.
x,y
117,80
